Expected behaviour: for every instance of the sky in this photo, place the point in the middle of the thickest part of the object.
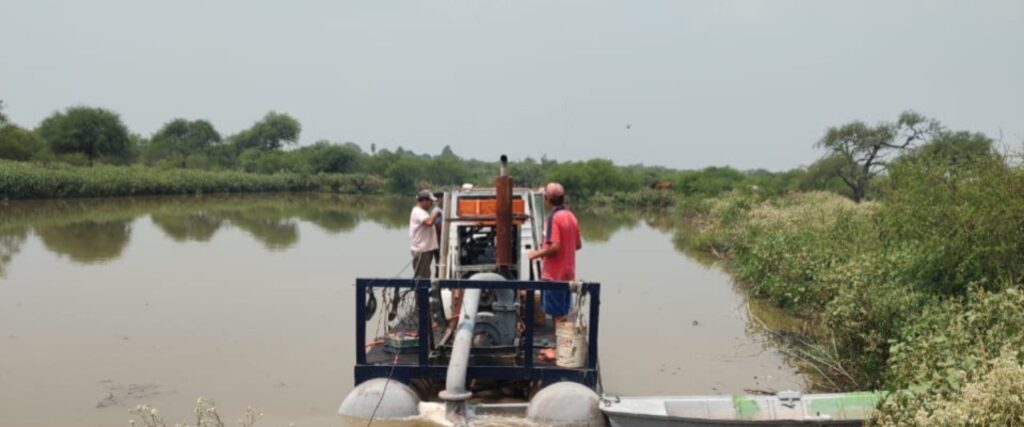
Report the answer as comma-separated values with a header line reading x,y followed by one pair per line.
x,y
683,84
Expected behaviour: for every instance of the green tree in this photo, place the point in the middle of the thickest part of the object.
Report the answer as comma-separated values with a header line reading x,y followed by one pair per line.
x,y
591,177
248,159
331,158
964,224
857,152
447,169
953,148
527,172
774,183
182,138
270,133
821,176
710,181
353,146
19,144
380,162
281,161
3,117
96,133
405,173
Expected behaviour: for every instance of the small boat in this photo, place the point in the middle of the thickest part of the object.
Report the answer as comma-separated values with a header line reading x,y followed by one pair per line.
x,y
787,408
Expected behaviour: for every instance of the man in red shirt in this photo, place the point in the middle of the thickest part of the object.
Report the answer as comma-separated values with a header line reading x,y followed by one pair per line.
x,y
561,241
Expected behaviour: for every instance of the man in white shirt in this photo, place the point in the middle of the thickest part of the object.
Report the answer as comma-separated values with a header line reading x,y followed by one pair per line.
x,y
422,237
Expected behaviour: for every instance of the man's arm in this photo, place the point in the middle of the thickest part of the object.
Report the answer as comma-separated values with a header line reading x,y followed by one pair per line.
x,y
429,220
548,251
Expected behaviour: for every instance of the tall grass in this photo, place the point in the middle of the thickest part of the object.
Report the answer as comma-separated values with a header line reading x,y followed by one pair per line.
x,y
20,180
917,293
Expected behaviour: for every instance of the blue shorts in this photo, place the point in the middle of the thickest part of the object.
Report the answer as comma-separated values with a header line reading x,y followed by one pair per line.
x,y
556,303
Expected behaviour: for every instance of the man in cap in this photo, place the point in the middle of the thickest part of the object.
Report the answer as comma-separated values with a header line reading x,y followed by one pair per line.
x,y
422,237
561,241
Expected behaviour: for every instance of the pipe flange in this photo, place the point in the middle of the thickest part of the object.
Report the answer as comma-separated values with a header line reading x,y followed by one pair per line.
x,y
454,396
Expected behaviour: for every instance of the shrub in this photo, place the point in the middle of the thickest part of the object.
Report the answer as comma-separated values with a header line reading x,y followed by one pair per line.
x,y
865,307
19,144
995,398
25,180
637,199
356,183
918,293
948,346
782,247
966,222
585,179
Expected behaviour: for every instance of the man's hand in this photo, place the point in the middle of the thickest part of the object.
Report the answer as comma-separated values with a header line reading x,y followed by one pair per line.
x,y
552,249
432,218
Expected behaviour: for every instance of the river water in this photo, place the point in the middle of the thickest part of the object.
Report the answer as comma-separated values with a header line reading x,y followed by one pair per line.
x,y
110,303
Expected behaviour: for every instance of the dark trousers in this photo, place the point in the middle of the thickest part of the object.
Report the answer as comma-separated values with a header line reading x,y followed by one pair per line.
x,y
421,262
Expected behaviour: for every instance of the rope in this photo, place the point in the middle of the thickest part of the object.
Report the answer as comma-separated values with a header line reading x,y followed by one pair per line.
x,y
581,297
384,299
383,392
394,361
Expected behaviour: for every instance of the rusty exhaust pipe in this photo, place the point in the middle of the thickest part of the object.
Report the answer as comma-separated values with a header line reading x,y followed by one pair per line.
x,y
505,257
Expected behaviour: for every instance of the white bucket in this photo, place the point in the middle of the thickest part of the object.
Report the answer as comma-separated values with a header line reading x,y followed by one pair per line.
x,y
572,345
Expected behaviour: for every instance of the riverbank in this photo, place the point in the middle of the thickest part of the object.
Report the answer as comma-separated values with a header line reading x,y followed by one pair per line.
x,y
918,294
24,180
27,180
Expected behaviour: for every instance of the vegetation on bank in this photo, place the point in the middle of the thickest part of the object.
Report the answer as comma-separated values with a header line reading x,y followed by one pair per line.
x,y
918,292
21,180
67,145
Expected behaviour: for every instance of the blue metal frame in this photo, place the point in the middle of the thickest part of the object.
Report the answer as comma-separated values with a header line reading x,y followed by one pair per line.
x,y
423,369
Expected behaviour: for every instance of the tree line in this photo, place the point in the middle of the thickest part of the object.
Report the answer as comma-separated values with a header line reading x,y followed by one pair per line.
x,y
857,156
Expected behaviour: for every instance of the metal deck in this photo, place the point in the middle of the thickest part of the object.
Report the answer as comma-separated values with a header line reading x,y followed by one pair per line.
x,y
428,365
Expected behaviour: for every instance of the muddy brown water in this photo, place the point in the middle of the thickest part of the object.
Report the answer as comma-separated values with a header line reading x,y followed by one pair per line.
x,y
110,303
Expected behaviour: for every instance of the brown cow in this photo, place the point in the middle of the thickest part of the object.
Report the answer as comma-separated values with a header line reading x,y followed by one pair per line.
x,y
661,185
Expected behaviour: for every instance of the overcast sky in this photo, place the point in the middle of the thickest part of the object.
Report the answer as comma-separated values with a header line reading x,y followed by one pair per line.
x,y
677,83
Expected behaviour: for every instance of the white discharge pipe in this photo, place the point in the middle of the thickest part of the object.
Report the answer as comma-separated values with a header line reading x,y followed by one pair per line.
x,y
455,384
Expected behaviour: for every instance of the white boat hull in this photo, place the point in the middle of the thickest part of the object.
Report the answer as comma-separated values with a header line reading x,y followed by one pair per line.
x,y
784,409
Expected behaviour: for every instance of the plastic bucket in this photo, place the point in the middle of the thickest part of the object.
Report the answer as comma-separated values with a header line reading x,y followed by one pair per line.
x,y
572,345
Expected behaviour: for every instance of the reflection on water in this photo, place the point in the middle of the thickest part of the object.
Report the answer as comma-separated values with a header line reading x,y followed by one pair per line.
x,y
10,244
599,224
197,226
98,230
248,299
87,241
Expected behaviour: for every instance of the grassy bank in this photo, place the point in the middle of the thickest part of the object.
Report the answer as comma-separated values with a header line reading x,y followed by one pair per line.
x,y
26,180
918,293
23,180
